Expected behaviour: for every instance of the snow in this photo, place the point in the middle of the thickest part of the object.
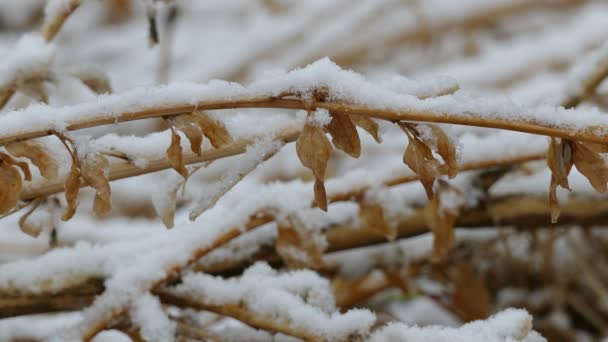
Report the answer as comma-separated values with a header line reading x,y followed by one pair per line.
x,y
30,57
255,154
300,299
154,324
111,336
516,71
319,118
508,325
343,85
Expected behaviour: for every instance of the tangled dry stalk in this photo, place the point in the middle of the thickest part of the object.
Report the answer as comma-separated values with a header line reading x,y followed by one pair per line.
x,y
491,232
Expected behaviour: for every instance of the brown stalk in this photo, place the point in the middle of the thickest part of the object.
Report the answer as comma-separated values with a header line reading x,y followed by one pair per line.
x,y
523,211
357,194
527,126
91,329
470,22
239,312
122,170
51,28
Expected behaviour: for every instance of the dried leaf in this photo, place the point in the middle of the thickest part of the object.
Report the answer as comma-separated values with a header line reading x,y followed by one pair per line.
x,y
72,187
344,134
320,194
188,124
591,165
94,171
471,297
39,156
214,130
11,185
372,215
25,168
369,125
419,157
441,214
442,226
174,154
559,160
446,150
298,246
165,205
598,148
313,149
29,228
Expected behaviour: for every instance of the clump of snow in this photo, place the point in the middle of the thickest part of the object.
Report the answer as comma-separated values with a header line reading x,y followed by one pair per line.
x,y
319,118
154,324
111,336
254,155
31,56
506,326
343,85
301,299
423,88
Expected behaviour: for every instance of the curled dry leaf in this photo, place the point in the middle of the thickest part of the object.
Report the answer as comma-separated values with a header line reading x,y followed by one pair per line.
x,y
591,164
174,154
344,134
419,157
369,125
372,215
214,130
559,160
298,246
165,206
189,125
441,214
446,149
27,227
11,185
94,171
72,187
38,155
25,168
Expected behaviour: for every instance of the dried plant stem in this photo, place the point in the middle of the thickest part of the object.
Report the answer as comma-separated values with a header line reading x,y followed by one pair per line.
x,y
589,86
6,94
471,21
187,330
52,26
357,194
91,329
525,212
239,312
526,126
122,170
